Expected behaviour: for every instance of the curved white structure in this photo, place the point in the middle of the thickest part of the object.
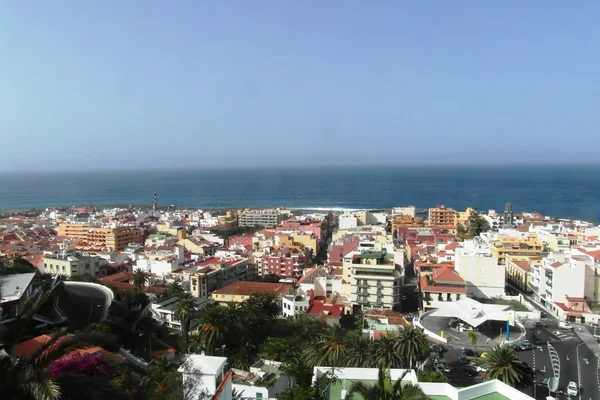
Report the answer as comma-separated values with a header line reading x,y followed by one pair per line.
x,y
108,294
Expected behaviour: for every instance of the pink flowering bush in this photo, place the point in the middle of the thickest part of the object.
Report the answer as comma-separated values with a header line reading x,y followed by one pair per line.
x,y
87,364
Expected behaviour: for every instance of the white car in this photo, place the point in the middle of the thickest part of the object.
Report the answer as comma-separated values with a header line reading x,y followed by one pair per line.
x,y
572,389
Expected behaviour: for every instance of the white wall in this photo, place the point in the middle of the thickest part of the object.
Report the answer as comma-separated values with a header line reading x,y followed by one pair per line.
x,y
483,275
347,222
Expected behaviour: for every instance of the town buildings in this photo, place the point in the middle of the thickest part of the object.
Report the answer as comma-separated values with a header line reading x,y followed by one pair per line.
x,y
101,238
441,216
72,263
372,279
238,292
264,218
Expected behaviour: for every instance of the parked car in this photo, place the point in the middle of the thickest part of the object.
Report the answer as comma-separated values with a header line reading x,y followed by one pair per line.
x,y
538,324
572,389
526,345
565,325
471,372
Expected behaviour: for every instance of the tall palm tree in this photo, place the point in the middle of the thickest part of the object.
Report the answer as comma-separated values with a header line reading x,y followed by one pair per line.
x,y
385,389
413,345
360,351
502,364
174,289
385,351
162,380
329,349
140,278
472,336
213,327
184,310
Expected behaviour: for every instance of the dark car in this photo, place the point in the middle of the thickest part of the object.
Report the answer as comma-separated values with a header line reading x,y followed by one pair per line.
x,y
526,346
470,372
538,325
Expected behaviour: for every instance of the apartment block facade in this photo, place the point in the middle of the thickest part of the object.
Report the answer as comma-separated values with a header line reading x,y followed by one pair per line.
x,y
103,238
264,218
372,279
442,216
72,264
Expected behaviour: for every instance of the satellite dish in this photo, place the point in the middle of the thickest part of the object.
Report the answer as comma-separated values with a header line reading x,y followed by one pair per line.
x,y
553,384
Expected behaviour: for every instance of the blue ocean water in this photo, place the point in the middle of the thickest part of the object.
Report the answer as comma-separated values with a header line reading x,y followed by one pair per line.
x,y
565,191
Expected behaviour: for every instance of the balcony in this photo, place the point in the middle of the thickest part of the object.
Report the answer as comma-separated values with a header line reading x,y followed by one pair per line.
x,y
363,285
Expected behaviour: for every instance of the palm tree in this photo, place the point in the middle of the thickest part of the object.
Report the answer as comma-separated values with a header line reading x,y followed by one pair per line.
x,y
472,336
413,345
213,327
329,349
502,364
184,310
385,351
360,351
140,278
385,389
174,289
161,380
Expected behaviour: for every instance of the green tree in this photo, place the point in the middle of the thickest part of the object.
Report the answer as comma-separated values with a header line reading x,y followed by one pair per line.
x,y
173,289
385,389
162,382
214,325
412,345
184,310
477,224
275,349
329,349
140,278
502,364
472,336
385,352
432,376
360,351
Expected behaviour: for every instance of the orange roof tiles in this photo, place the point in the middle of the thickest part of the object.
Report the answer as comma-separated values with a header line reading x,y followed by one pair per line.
x,y
242,288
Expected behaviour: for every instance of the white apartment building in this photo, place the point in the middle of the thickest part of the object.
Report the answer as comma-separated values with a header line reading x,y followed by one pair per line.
x,y
72,263
163,310
479,269
264,218
161,262
558,276
292,305
372,279
409,210
347,221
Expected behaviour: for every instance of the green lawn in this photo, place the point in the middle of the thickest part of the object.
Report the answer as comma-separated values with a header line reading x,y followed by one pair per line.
x,y
492,396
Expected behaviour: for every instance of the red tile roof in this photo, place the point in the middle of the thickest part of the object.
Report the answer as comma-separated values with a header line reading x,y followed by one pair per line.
x,y
318,307
242,288
576,299
524,265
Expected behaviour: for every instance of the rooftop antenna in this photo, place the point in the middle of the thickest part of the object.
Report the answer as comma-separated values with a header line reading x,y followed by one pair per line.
x,y
154,201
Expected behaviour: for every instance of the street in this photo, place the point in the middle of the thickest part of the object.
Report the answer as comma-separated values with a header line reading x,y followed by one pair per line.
x,y
577,363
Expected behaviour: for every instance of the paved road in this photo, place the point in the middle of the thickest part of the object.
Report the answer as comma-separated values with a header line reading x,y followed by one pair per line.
x,y
577,362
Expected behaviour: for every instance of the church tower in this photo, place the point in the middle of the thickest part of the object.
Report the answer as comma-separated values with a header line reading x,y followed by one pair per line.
x,y
508,216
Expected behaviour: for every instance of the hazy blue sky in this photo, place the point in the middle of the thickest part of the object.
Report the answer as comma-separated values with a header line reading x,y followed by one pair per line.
x,y
106,84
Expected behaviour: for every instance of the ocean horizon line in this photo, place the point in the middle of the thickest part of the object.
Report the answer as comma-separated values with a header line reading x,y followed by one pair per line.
x,y
273,168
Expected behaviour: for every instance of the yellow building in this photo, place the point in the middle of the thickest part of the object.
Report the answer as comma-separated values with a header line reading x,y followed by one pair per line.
x,y
199,246
516,246
518,269
240,291
462,217
110,239
442,216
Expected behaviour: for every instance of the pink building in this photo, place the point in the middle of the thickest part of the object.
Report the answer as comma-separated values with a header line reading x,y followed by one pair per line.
x,y
304,226
284,263
341,247
244,240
